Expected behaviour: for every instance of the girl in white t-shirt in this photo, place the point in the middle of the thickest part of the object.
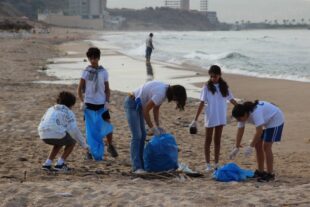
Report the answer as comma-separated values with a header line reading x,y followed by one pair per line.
x,y
269,121
215,94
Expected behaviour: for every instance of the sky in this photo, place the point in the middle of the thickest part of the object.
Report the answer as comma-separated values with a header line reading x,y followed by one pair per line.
x,y
236,10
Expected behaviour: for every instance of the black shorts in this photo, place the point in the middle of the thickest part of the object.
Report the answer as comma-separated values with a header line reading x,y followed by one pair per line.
x,y
66,140
105,116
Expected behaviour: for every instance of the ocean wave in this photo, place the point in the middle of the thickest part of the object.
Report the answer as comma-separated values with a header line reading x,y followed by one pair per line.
x,y
200,55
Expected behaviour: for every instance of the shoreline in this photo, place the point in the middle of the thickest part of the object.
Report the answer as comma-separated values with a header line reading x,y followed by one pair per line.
x,y
268,89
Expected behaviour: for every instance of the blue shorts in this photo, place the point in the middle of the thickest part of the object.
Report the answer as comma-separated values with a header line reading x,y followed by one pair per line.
x,y
273,134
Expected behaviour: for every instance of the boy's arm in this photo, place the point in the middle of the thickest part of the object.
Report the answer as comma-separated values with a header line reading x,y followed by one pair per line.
x,y
81,89
107,91
74,131
146,113
156,115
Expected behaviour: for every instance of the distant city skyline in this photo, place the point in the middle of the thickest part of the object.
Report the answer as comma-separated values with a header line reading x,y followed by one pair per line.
x,y
236,10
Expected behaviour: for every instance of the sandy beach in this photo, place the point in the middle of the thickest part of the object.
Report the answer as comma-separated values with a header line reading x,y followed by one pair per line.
x,y
108,183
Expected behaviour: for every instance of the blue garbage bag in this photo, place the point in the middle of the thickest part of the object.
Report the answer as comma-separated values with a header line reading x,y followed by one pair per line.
x,y
232,172
161,154
96,129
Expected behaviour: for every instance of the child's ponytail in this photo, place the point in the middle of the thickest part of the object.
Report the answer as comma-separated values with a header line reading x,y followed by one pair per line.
x,y
246,108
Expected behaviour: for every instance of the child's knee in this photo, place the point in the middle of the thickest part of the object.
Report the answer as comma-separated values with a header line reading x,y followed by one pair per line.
x,y
267,146
259,145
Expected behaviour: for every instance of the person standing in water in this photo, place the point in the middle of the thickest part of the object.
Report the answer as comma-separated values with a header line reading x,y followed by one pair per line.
x,y
149,47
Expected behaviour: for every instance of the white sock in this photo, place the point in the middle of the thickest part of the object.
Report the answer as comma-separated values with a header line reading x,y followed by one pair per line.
x,y
60,161
208,165
48,162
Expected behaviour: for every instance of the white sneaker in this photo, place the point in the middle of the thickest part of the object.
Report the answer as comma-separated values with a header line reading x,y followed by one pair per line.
x,y
139,171
209,168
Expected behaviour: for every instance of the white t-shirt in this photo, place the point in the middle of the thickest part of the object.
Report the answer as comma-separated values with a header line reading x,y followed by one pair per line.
x,y
57,121
149,42
94,85
265,114
216,109
152,90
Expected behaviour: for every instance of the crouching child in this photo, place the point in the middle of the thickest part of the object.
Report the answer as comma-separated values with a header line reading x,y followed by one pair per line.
x,y
58,128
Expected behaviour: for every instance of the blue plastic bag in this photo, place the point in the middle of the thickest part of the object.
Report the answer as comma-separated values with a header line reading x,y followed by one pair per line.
x,y
161,154
96,130
232,172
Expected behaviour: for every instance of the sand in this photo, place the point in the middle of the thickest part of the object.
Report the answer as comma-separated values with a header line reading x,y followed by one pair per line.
x,y
108,183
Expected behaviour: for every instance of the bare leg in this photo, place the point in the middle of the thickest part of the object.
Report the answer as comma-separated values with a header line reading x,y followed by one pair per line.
x,y
269,156
217,143
109,136
209,133
67,151
54,152
260,155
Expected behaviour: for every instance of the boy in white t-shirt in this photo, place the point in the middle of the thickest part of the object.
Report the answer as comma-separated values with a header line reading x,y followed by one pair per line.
x,y
215,95
269,122
58,128
95,84
148,97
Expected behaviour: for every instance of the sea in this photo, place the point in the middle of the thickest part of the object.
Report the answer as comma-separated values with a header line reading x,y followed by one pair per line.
x,y
277,54
280,54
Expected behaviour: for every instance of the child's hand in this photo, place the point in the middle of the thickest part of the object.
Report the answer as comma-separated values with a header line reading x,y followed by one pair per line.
x,y
248,151
193,124
233,153
107,105
193,127
82,106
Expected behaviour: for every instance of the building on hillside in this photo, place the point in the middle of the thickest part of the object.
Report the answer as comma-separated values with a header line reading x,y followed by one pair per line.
x,y
87,9
212,18
204,6
178,4
88,14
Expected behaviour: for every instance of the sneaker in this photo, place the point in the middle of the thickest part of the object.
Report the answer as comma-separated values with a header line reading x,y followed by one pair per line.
x,y
209,168
63,168
216,166
266,178
46,167
139,171
112,150
258,174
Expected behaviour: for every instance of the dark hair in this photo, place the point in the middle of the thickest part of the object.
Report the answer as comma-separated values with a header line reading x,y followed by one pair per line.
x,y
93,52
177,93
214,69
66,98
151,34
241,109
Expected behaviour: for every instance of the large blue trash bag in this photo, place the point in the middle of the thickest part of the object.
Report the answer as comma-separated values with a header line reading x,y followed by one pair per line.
x,y
161,154
96,130
232,172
